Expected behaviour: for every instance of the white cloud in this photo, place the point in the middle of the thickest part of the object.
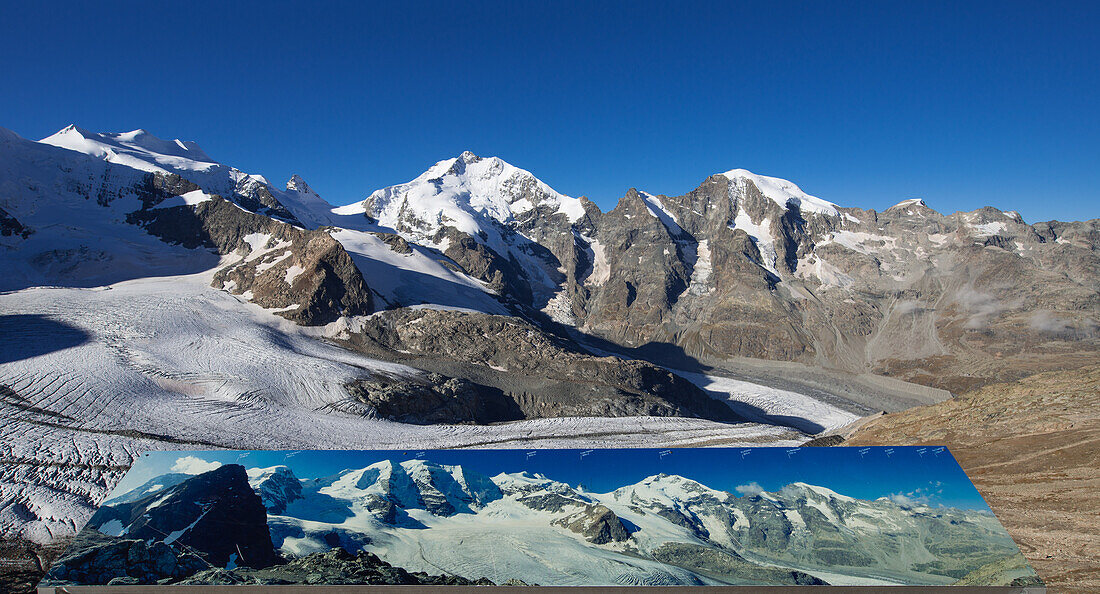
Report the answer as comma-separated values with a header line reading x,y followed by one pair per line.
x,y
194,465
905,500
981,307
919,496
750,490
908,307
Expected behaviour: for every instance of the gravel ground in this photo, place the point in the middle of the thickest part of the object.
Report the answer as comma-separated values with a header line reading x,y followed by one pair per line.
x,y
1032,448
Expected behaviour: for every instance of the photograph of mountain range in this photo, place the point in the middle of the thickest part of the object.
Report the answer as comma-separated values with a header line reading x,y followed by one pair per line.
x,y
641,517
430,226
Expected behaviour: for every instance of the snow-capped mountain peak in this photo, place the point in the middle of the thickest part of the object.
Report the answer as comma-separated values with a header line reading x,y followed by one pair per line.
x,y
783,192
307,205
816,490
142,151
462,192
297,184
138,149
667,490
413,484
908,203
276,485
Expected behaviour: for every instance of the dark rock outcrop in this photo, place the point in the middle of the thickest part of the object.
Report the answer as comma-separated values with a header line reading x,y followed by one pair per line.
x,y
597,523
334,567
98,559
277,488
216,514
9,227
544,375
723,564
435,399
306,274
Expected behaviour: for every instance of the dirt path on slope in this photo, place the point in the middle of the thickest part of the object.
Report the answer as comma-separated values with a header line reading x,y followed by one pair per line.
x,y
1032,448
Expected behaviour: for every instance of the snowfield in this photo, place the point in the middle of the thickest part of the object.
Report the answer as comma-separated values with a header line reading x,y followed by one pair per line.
x,y
93,377
417,277
773,405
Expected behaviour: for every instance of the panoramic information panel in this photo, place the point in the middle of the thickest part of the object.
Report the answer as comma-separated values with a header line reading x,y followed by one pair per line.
x,y
624,517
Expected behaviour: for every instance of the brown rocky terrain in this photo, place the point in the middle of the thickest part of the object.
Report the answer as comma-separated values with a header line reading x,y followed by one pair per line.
x,y
751,266
951,301
305,274
1032,448
513,370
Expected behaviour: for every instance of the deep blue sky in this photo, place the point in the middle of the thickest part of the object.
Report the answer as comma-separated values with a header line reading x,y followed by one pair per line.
x,y
963,104
867,473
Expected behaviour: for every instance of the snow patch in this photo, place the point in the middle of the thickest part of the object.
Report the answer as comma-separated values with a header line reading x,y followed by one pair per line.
x,y
761,235
658,210
783,192
700,273
601,270
292,272
191,198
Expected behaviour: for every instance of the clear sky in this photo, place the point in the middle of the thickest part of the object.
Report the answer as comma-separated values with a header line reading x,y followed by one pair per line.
x,y
963,104
926,475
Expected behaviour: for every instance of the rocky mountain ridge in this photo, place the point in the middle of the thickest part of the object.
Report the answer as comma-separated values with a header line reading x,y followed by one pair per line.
x,y
743,266
747,265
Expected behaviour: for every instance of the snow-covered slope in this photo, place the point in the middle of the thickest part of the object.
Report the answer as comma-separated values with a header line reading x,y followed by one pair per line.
x,y
75,209
463,192
115,341
488,201
138,149
416,276
101,375
783,192
79,241
142,151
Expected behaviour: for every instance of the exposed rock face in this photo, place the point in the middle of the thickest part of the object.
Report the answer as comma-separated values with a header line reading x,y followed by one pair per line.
x,y
334,567
173,517
746,265
396,242
277,487
435,399
504,276
306,275
726,271
516,357
309,278
99,559
596,523
715,562
9,227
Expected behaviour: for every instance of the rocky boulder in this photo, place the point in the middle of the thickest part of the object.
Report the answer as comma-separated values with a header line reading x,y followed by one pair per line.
x,y
216,514
597,523
305,275
333,567
99,559
538,371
